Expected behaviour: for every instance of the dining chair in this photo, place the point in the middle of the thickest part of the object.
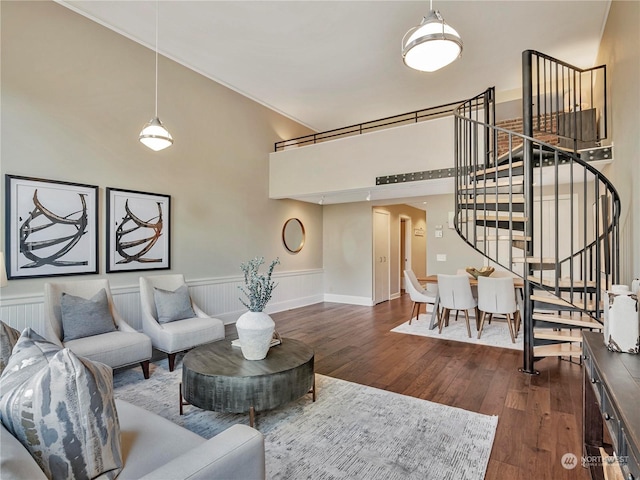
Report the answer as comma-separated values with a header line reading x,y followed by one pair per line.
x,y
519,292
171,319
455,294
419,295
496,295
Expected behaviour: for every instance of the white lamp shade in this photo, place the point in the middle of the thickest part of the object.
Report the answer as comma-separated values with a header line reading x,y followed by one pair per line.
x,y
3,271
431,45
155,136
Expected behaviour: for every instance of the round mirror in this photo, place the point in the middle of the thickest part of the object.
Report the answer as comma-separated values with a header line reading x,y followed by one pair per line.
x,y
293,235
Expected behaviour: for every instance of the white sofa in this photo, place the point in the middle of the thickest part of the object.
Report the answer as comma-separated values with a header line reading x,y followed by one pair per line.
x,y
155,448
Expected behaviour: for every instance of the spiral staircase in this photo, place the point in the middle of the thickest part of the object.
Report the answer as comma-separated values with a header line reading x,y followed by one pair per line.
x,y
539,209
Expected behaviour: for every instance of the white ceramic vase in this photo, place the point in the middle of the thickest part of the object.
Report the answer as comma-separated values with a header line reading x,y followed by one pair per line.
x,y
255,331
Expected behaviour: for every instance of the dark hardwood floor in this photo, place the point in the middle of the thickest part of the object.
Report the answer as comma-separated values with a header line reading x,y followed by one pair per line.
x,y
540,417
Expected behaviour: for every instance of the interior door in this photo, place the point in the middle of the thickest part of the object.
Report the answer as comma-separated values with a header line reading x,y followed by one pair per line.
x,y
381,245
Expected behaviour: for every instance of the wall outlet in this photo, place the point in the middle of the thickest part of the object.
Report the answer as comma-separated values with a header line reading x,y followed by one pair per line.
x,y
438,233
441,257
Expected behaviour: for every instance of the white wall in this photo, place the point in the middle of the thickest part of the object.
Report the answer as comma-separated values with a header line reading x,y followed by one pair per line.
x,y
355,162
216,296
620,51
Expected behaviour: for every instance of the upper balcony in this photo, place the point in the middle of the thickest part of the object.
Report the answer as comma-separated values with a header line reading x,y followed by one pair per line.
x,y
368,161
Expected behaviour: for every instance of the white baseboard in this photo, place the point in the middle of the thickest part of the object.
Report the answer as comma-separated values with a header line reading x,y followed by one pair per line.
x,y
349,299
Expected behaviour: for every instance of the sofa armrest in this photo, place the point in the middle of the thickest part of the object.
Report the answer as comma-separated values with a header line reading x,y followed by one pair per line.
x,y
236,453
16,463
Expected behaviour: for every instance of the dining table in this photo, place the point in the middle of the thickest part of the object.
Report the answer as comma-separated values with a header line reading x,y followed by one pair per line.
x,y
518,284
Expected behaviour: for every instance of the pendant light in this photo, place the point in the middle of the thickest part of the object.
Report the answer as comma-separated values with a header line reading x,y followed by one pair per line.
x,y
154,135
431,45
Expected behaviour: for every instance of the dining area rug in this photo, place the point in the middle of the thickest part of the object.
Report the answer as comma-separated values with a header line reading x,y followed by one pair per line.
x,y
495,334
352,431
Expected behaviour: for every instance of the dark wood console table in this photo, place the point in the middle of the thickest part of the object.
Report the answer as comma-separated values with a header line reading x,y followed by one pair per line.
x,y
611,396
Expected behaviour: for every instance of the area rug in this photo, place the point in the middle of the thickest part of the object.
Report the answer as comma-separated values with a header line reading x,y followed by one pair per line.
x,y
494,335
351,431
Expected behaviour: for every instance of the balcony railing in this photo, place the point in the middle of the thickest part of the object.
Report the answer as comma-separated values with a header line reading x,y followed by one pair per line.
x,y
430,113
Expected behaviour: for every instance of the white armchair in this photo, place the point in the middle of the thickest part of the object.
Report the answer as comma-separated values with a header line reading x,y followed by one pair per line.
x,y
122,347
179,335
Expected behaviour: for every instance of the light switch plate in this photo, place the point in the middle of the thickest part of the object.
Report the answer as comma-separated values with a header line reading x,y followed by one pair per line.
x,y
438,233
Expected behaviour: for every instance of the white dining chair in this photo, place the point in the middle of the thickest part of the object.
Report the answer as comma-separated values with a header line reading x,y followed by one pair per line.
x,y
419,295
455,294
496,295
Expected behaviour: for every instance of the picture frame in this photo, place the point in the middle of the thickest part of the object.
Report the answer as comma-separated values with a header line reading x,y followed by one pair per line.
x,y
138,231
51,227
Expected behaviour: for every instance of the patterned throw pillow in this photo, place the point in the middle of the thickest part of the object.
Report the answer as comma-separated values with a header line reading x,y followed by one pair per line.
x,y
83,317
8,338
172,306
30,353
65,416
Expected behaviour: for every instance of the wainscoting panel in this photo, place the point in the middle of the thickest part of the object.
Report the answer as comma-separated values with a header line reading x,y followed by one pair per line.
x,y
219,297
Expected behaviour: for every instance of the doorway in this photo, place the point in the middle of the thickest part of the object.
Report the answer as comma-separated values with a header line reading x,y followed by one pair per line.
x,y
405,248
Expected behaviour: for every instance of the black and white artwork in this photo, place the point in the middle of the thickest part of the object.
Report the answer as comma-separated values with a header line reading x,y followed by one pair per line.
x,y
138,231
51,227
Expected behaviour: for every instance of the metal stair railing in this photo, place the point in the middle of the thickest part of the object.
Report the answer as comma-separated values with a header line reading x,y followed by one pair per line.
x,y
582,263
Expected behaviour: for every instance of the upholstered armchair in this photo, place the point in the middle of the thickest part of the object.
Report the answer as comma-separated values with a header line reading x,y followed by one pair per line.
x,y
171,319
81,316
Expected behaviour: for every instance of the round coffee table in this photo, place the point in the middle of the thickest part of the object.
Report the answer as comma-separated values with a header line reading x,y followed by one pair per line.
x,y
217,377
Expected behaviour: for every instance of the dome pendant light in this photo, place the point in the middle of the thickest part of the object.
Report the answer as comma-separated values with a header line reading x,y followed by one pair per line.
x,y
154,135
431,45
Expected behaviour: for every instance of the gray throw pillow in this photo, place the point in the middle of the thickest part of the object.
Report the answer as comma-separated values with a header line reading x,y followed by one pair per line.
x,y
84,318
65,416
30,353
172,306
8,338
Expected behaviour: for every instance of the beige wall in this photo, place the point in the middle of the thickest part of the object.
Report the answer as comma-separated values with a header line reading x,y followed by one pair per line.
x,y
348,252
75,95
620,51
348,249
459,253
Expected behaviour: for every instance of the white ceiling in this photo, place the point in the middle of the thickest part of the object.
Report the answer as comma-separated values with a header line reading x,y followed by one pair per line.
x,y
330,64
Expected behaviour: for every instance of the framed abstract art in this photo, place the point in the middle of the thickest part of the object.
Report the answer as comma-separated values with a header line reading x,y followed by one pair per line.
x,y
51,227
138,231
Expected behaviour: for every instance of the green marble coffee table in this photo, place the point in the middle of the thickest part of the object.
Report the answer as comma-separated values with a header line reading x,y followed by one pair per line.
x,y
217,377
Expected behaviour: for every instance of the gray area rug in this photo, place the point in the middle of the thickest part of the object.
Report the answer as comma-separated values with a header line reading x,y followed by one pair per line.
x,y
494,335
351,431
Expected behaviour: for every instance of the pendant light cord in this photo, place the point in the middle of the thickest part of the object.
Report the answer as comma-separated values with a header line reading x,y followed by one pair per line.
x,y
157,15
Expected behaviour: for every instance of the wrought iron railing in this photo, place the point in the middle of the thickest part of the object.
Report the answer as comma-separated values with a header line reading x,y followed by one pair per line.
x,y
430,113
521,215
565,100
